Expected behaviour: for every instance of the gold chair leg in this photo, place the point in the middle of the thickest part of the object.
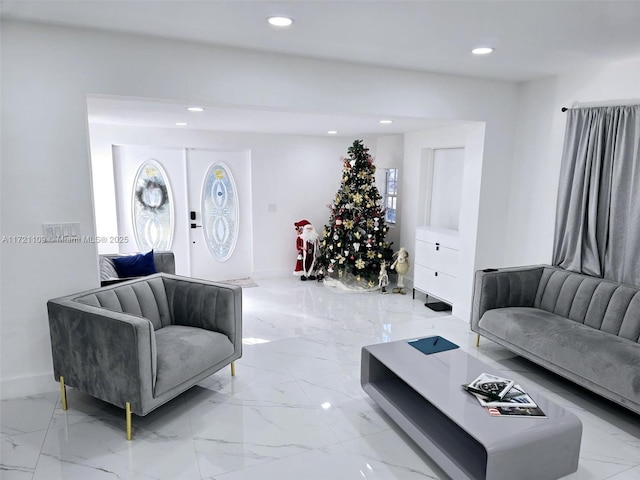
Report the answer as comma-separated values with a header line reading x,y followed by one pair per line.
x,y
477,340
128,416
63,393
233,369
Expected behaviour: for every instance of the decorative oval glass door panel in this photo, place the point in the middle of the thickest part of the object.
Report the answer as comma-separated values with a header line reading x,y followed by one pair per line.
x,y
220,211
152,208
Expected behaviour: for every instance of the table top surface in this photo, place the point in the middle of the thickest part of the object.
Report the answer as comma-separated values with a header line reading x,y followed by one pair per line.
x,y
438,377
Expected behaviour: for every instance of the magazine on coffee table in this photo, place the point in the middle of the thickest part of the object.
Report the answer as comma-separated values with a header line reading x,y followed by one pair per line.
x,y
516,397
516,412
490,386
494,391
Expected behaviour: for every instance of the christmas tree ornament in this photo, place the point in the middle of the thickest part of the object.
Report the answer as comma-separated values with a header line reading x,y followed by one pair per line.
x,y
383,278
401,266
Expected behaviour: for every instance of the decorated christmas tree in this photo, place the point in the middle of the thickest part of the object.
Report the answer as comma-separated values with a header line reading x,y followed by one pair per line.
x,y
353,245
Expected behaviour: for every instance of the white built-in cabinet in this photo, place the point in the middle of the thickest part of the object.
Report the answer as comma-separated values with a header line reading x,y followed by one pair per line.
x,y
437,241
437,252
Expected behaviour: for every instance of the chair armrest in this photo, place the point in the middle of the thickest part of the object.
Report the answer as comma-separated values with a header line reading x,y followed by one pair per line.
x,y
106,354
505,287
210,305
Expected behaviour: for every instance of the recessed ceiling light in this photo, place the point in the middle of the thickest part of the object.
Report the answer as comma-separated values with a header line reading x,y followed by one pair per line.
x,y
181,124
280,21
386,121
332,132
195,109
482,50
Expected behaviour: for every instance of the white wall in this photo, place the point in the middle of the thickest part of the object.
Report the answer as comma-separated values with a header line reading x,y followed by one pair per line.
x,y
470,136
538,152
47,73
298,174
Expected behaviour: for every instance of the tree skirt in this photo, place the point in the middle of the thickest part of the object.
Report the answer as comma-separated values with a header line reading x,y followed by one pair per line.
x,y
348,284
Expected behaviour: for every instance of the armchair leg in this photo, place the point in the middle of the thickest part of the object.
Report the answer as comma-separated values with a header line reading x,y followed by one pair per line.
x,y
63,393
233,369
477,340
128,417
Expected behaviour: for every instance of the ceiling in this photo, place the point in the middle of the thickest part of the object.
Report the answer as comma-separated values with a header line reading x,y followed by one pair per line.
x,y
532,39
220,118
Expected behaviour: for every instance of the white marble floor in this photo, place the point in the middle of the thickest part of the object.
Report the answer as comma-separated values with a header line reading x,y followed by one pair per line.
x,y
295,408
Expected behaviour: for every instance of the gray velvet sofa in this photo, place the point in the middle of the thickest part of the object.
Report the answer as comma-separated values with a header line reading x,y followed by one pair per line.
x,y
584,328
140,343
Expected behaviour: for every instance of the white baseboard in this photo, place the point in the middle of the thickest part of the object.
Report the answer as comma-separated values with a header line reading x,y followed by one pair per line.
x,y
26,386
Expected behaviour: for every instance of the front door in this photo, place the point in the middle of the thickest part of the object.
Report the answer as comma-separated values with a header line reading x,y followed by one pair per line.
x,y
219,197
194,202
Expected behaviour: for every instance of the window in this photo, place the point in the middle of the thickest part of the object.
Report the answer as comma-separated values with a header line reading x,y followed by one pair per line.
x,y
391,194
220,211
152,208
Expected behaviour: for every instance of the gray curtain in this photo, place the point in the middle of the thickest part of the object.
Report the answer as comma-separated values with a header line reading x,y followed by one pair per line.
x,y
598,211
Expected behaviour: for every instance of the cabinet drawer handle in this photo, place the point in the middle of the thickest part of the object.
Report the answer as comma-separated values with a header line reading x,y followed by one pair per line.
x,y
436,274
437,246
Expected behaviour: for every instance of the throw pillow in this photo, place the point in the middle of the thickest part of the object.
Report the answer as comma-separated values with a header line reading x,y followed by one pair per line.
x,y
107,269
135,265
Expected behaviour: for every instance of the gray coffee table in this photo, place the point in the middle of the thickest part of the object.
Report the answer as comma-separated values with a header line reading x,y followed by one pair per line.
x,y
423,395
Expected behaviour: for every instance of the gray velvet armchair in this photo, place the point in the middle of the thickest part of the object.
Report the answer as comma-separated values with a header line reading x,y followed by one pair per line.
x,y
140,343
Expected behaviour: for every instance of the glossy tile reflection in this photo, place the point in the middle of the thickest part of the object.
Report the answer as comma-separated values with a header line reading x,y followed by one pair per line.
x,y
295,408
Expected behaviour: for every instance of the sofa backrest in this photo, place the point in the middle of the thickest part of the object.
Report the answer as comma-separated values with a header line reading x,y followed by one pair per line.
x,y
203,305
165,262
595,302
145,297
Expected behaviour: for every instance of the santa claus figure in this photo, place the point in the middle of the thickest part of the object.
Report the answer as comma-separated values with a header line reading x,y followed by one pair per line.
x,y
308,247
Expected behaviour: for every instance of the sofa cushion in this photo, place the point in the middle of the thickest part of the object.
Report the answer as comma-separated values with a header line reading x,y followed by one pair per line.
x,y
184,352
594,302
139,265
595,355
